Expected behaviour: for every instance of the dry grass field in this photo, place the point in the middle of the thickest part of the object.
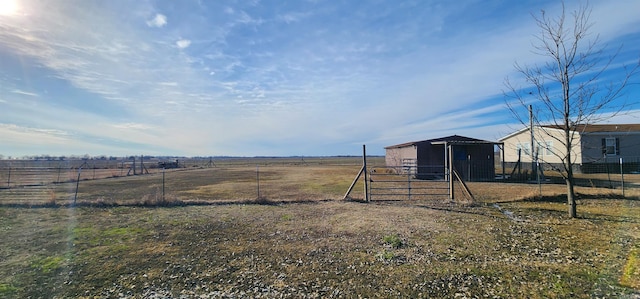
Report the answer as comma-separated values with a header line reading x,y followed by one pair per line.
x,y
281,230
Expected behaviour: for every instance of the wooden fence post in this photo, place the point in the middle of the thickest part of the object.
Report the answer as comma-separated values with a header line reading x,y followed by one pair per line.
x,y
364,166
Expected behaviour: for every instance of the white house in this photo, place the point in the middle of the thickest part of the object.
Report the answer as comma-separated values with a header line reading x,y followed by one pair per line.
x,y
593,144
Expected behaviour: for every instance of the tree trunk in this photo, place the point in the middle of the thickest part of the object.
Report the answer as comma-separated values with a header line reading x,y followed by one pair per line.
x,y
571,199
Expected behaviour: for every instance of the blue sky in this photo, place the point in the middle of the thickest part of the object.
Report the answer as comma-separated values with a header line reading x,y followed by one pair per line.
x,y
248,78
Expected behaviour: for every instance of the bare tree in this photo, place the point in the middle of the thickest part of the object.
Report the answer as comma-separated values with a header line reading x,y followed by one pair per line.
x,y
568,89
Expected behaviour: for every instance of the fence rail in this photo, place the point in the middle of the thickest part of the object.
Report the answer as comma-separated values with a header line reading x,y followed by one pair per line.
x,y
197,180
408,182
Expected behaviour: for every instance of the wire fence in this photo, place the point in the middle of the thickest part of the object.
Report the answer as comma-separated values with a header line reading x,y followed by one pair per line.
x,y
613,165
232,180
162,181
607,166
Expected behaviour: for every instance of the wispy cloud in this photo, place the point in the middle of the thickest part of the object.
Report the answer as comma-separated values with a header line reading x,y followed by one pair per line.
x,y
292,17
251,79
158,21
183,43
134,126
26,93
35,131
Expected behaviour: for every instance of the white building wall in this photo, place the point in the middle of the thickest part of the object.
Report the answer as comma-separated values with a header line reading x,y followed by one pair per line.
x,y
549,144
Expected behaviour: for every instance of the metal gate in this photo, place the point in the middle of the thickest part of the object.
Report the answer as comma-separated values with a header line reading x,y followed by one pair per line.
x,y
408,182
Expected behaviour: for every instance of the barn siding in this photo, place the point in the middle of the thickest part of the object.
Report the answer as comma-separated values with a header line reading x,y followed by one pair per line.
x,y
430,157
394,156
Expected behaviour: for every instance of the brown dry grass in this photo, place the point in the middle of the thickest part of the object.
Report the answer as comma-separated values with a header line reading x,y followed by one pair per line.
x,y
299,239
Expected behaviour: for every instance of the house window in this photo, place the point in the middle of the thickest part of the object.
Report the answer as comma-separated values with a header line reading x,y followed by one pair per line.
x,y
544,149
610,146
523,148
548,148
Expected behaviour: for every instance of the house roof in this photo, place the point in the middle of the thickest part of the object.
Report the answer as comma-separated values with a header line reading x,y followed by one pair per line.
x,y
598,128
442,140
587,128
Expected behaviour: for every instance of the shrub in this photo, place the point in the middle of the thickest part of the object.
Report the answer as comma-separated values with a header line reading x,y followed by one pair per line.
x,y
393,240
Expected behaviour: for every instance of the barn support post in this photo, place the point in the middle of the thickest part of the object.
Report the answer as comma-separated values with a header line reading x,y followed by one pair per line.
x,y
450,170
502,162
447,174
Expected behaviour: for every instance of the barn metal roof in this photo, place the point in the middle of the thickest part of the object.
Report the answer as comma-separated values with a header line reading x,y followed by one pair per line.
x,y
443,140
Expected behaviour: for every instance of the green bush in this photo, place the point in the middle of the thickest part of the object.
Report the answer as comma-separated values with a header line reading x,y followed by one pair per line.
x,y
393,240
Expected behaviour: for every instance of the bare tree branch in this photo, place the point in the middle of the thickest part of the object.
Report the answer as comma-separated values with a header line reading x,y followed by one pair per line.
x,y
568,88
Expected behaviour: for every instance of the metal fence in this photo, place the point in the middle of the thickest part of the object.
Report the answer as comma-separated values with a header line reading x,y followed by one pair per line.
x,y
38,183
244,179
408,182
610,172
613,165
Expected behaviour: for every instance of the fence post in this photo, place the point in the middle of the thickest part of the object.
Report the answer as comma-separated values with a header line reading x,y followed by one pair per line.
x,y
538,177
162,184
9,178
409,182
258,179
622,176
59,168
364,165
75,197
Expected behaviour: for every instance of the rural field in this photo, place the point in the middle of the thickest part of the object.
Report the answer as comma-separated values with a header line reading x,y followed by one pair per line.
x,y
279,228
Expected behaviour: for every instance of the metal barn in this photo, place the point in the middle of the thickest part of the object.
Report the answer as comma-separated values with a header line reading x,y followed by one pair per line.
x,y
473,159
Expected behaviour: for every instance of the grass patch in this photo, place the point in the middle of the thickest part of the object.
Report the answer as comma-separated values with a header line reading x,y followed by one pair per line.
x,y
7,290
48,264
394,241
631,271
286,217
386,256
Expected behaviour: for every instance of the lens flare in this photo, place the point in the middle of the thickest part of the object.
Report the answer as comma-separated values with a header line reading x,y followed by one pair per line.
x,y
8,7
